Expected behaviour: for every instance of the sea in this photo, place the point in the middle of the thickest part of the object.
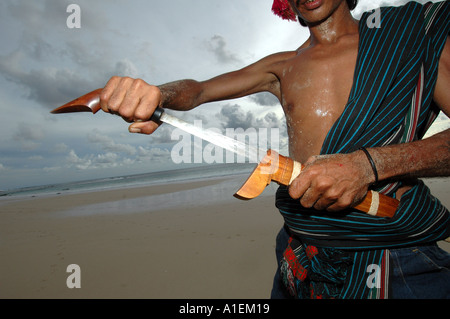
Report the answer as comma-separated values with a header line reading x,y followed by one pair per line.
x,y
146,179
225,179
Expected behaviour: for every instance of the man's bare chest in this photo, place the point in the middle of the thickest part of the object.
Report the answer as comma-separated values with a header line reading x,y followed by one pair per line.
x,y
318,82
315,88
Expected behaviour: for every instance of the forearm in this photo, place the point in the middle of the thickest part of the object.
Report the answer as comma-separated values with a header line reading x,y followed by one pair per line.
x,y
258,77
180,95
425,158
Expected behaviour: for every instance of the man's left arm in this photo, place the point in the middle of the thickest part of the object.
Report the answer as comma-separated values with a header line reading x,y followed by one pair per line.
x,y
429,157
339,181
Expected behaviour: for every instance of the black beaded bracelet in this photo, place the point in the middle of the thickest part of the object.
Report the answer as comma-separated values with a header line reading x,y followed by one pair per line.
x,y
372,163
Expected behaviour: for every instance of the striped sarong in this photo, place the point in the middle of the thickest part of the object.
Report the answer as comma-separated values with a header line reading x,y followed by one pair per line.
x,y
346,255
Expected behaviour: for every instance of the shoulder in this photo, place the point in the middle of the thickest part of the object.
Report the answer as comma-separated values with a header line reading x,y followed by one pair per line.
x,y
412,19
272,61
414,10
406,12
270,65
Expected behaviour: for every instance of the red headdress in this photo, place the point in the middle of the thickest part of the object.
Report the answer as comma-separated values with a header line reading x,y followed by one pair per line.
x,y
283,9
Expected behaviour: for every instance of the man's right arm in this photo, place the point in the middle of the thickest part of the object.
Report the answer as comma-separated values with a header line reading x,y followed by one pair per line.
x,y
135,100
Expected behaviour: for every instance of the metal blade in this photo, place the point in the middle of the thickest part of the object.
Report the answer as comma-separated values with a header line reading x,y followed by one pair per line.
x,y
215,138
90,102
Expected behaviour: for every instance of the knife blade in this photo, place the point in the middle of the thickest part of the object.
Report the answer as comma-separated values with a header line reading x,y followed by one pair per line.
x,y
90,102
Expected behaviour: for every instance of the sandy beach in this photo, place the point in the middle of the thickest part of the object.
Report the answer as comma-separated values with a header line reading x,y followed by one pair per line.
x,y
146,242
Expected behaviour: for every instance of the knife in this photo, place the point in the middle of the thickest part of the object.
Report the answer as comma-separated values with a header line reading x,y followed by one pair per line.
x,y
273,166
90,102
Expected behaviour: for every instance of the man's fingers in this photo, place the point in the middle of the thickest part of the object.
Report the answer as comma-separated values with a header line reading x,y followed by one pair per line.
x,y
143,127
310,198
298,187
118,96
133,99
345,201
129,104
328,182
147,105
323,203
107,91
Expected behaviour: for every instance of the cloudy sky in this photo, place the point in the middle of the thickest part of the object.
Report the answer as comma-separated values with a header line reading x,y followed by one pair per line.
x,y
44,64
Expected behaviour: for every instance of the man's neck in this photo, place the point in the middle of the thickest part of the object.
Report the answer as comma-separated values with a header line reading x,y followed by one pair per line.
x,y
330,30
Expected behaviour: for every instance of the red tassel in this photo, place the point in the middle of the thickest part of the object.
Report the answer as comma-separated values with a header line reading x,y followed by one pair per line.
x,y
282,9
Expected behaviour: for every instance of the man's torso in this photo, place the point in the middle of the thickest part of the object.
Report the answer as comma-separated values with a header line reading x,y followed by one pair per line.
x,y
315,84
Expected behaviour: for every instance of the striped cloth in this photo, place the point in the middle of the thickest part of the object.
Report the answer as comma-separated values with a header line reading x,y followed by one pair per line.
x,y
390,103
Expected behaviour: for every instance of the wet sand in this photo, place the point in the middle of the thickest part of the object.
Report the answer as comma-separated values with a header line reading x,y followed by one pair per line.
x,y
186,240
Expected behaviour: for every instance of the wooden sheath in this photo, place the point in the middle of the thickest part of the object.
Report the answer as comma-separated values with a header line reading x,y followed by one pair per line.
x,y
283,170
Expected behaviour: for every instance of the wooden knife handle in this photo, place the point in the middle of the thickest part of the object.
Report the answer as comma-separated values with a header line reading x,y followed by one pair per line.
x,y
374,203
